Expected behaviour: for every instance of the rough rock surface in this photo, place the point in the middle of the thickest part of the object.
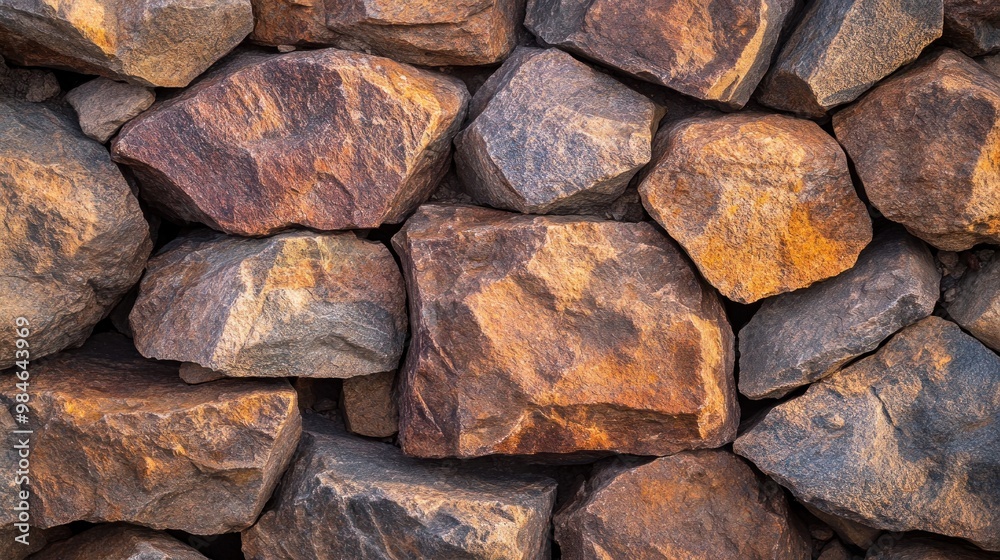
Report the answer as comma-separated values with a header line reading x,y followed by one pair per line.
x,y
714,51
369,406
161,43
906,439
291,22
544,335
925,144
977,304
119,541
104,105
555,137
325,139
990,63
926,548
797,338
834,550
72,237
297,304
701,504
843,47
852,532
763,204
349,498
973,25
37,540
120,438
28,85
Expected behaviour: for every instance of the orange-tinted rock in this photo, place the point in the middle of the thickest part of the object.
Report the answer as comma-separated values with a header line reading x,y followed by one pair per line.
x,y
369,405
763,204
973,25
925,144
558,335
291,22
119,541
326,139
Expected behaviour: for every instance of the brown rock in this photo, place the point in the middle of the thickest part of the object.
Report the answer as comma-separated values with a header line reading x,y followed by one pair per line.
x,y
558,335
119,541
325,139
11,549
852,532
291,22
924,143
926,548
369,405
977,304
763,204
990,63
297,304
161,43
104,105
73,238
973,25
714,51
702,504
28,85
835,551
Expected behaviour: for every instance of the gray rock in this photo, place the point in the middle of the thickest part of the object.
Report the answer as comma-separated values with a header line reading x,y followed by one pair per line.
x,y
119,541
925,548
973,25
27,84
976,305
105,105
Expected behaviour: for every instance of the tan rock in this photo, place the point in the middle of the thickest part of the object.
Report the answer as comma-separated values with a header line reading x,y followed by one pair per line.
x,y
119,541
104,105
977,303
369,405
973,25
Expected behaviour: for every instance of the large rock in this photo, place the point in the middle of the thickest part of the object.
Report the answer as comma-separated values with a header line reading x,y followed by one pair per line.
x,y
843,47
325,139
120,438
369,405
797,338
558,335
349,498
105,105
763,204
119,541
907,439
11,549
555,137
298,304
977,303
701,504
73,238
148,42
973,25
924,143
714,51
926,548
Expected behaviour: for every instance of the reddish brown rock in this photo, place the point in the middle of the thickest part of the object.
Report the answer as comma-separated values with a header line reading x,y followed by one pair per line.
x,y
369,405
973,25
925,548
763,204
119,541
325,139
702,504
925,144
558,335
37,539
976,305
105,105
857,534
291,22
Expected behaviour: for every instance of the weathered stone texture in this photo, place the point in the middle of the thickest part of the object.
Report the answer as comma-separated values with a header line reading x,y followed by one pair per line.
x,y
104,105
119,541
926,548
977,304
369,405
973,25
28,84
291,22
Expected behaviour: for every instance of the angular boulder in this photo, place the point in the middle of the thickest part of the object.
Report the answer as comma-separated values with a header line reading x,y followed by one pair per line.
x,y
104,105
369,406
325,139
972,25
558,335
291,22
120,541
906,439
763,204
977,304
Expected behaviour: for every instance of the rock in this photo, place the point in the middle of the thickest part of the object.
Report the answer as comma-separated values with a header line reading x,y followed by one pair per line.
x,y
903,440
714,51
73,239
926,548
119,541
557,335
852,532
120,438
972,25
835,551
702,504
104,105
368,405
297,304
977,304
924,143
28,85
797,338
841,48
37,540
990,63
324,139
556,137
158,43
763,204
285,23
349,498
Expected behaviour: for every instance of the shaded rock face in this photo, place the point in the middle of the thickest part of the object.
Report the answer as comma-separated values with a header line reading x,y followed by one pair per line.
x,y
349,498
972,25
977,304
763,204
797,338
72,239
926,548
291,22
105,105
326,139
700,504
558,335
160,43
120,542
852,532
924,143
906,439
842,47
297,304
716,51
555,137
120,438
369,405
27,85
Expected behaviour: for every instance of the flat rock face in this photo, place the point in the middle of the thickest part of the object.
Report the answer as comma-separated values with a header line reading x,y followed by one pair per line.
x,y
842,47
291,22
119,541
104,105
558,335
701,504
973,25
907,439
161,43
977,304
120,438
73,239
369,406
763,204
298,304
716,51
926,548
797,338
349,498
924,143
325,139
555,136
